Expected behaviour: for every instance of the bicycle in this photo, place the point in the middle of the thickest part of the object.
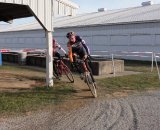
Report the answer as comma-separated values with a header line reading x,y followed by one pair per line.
x,y
61,69
88,76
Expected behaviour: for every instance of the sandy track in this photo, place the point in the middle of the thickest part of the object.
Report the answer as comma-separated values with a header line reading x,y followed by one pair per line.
x,y
139,112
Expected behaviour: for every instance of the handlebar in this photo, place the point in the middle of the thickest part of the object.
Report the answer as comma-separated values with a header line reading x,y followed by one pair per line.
x,y
61,58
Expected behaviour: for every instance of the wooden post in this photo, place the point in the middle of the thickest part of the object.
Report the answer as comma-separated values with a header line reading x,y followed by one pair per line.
x,y
49,60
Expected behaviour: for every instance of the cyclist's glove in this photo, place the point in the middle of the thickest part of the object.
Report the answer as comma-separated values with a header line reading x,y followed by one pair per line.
x,y
90,57
66,55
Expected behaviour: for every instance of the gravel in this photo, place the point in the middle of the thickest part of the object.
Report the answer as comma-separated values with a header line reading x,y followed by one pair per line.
x,y
137,112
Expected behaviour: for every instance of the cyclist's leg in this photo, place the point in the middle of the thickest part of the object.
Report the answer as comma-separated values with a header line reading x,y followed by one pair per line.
x,y
55,68
86,66
77,67
74,57
83,56
57,55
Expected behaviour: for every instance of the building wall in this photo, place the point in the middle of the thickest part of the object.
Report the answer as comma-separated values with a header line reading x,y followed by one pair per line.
x,y
23,39
132,37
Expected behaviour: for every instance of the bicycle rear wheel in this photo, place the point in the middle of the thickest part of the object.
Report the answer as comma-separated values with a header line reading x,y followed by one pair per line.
x,y
68,73
91,84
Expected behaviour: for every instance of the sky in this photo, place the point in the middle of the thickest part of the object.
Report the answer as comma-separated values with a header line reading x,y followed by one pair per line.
x,y
91,6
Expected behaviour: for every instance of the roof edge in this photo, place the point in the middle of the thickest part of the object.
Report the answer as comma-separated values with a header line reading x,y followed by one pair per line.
x,y
109,24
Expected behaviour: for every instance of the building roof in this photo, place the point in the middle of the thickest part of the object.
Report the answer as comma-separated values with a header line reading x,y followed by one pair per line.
x,y
69,3
139,14
128,15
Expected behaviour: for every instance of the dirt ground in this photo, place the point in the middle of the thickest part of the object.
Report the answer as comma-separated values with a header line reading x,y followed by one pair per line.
x,y
135,112
13,80
24,79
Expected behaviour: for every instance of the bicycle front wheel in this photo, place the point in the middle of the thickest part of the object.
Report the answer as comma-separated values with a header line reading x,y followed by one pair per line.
x,y
68,73
91,84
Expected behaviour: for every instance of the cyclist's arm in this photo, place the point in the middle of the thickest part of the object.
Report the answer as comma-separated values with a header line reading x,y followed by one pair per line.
x,y
86,47
63,50
83,43
60,48
70,54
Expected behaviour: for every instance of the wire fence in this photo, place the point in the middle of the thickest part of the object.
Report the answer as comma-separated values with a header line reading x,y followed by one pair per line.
x,y
124,54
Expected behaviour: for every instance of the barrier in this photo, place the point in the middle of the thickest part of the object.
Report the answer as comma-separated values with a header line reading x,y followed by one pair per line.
x,y
14,57
22,58
122,54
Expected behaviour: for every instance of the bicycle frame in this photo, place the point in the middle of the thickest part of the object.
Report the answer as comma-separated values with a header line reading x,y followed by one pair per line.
x,y
88,65
60,66
63,69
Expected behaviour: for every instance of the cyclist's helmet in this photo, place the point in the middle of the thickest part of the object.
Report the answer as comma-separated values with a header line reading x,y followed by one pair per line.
x,y
69,34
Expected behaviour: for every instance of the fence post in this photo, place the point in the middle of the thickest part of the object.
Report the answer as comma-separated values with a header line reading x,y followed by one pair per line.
x,y
113,65
152,65
157,66
0,59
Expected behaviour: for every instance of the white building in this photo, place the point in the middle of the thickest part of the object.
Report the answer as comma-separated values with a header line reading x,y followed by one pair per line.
x,y
64,7
130,29
33,32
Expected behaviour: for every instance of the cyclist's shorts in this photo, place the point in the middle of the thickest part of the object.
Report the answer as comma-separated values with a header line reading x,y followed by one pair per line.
x,y
82,53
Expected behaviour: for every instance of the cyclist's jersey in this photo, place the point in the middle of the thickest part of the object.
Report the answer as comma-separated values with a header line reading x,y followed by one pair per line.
x,y
79,48
57,47
78,38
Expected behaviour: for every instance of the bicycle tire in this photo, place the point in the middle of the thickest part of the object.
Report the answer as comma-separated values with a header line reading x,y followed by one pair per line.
x,y
91,84
68,73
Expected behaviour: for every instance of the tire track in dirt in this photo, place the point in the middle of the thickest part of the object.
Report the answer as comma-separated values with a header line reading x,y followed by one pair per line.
x,y
135,120
132,113
124,120
89,116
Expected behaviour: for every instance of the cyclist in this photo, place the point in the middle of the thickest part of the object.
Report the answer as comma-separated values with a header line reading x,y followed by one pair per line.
x,y
76,45
56,47
78,39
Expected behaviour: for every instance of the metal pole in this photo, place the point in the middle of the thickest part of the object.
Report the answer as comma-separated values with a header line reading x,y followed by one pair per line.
x,y
157,66
49,60
113,65
152,65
